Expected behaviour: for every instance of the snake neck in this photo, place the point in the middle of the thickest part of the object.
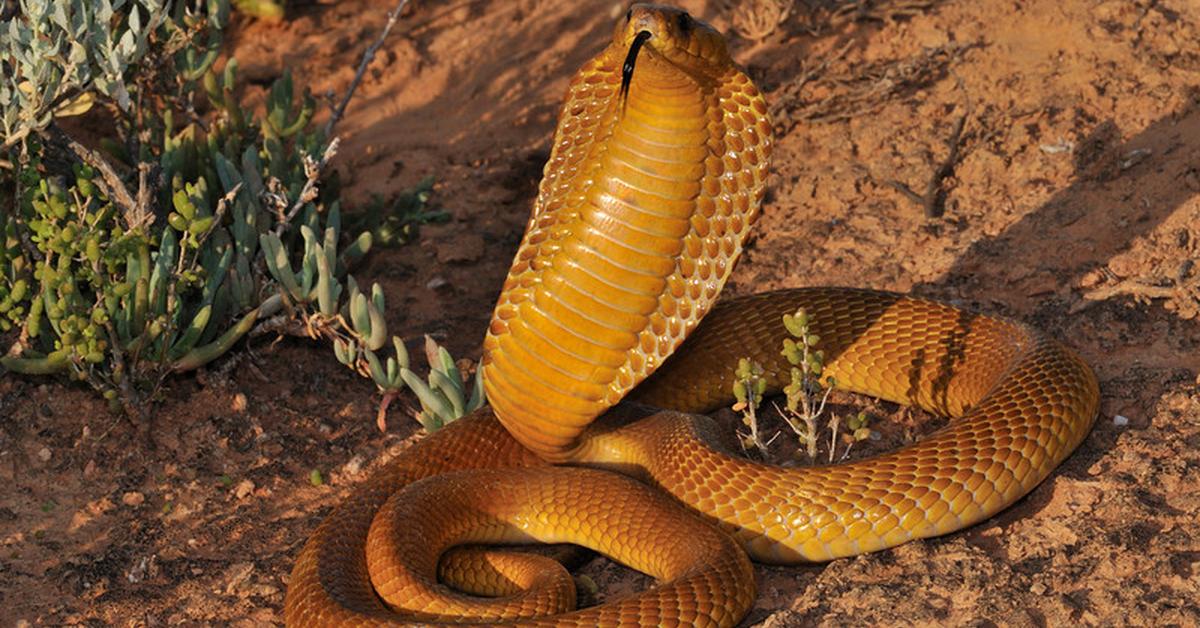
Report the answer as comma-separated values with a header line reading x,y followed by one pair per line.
x,y
638,221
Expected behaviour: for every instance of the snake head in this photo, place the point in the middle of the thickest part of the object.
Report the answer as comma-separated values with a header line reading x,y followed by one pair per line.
x,y
672,35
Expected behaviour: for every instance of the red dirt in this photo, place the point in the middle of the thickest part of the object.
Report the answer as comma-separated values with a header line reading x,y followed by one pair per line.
x,y
1075,205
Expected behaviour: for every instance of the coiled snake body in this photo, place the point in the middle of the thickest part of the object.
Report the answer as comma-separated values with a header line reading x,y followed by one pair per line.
x,y
656,175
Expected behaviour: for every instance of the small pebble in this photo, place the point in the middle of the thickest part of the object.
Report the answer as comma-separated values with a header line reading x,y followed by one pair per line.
x,y
236,575
353,467
44,454
133,498
1120,421
1037,588
244,488
239,403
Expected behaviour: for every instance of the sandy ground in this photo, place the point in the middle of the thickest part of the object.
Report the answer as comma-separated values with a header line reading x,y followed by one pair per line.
x,y
1074,204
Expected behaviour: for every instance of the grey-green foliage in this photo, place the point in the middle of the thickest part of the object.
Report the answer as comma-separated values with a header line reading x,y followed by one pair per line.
x,y
54,52
443,396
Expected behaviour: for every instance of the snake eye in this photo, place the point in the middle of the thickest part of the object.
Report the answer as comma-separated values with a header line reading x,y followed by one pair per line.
x,y
684,21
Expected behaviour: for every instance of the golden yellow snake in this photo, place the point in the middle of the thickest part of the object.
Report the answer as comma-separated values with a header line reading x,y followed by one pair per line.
x,y
655,178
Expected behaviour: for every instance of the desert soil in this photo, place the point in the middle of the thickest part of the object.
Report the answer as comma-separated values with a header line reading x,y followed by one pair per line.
x,y
1073,204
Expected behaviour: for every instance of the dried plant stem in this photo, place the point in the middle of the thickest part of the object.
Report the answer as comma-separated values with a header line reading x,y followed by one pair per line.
x,y
1129,287
752,416
136,214
368,56
312,173
934,199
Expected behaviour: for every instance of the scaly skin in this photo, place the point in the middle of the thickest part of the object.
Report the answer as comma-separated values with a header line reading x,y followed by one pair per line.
x,y
640,217
638,221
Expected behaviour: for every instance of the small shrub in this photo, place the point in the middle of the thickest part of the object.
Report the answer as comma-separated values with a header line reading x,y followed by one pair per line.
x,y
158,253
748,389
805,394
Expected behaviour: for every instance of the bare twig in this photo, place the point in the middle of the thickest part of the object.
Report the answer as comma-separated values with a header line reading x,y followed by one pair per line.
x,y
145,191
935,195
135,212
16,138
312,173
131,401
835,421
219,214
368,56
861,10
934,198
1129,287
900,187
752,419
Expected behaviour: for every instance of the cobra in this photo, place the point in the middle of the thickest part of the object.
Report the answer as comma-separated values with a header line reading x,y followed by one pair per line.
x,y
656,175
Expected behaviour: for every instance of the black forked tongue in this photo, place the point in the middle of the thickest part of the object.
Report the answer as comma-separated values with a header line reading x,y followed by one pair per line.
x,y
630,60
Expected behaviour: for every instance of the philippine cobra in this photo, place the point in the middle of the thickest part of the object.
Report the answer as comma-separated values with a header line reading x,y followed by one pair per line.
x,y
657,171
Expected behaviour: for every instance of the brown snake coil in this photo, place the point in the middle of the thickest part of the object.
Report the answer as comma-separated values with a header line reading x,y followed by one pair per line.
x,y
652,185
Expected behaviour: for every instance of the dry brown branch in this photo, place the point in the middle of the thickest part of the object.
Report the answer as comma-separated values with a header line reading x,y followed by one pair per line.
x,y
755,19
136,213
933,201
790,91
312,174
368,56
860,10
1132,287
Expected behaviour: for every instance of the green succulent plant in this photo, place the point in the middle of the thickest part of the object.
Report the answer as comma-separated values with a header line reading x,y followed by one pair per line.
x,y
228,224
806,393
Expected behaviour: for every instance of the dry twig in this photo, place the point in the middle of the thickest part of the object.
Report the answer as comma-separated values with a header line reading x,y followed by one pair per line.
x,y
312,173
1132,287
368,56
790,91
861,10
136,213
934,198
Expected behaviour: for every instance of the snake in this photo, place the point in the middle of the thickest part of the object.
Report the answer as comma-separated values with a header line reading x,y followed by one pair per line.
x,y
657,172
